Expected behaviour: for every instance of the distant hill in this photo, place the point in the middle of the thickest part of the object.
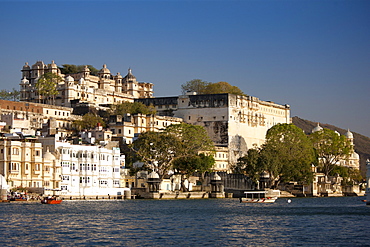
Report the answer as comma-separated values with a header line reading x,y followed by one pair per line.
x,y
362,143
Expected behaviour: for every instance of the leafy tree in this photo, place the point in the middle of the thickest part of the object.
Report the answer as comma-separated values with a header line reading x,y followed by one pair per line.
x,y
203,87
288,154
223,87
160,149
330,147
132,108
157,150
89,121
187,165
194,138
195,85
250,165
47,84
10,95
74,69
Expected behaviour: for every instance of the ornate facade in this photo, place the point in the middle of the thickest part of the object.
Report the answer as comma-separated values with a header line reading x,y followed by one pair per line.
x,y
237,123
83,87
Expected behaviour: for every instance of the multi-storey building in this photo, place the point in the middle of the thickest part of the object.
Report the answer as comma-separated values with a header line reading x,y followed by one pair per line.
x,y
29,117
131,125
83,87
237,123
24,164
87,170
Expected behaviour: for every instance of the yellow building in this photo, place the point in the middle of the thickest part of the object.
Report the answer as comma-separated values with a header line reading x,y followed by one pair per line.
x,y
24,165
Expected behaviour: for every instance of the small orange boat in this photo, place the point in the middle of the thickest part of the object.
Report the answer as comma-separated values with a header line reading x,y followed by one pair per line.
x,y
50,201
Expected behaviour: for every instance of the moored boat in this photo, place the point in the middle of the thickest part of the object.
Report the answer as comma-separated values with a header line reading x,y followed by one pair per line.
x,y
257,196
52,200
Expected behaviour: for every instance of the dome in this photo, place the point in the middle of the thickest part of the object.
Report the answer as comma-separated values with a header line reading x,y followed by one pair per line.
x,y
53,65
317,128
118,76
349,134
104,70
130,75
69,79
86,69
26,66
153,175
49,156
24,81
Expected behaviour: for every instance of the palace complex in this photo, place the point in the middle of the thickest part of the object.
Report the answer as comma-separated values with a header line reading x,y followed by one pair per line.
x,y
38,150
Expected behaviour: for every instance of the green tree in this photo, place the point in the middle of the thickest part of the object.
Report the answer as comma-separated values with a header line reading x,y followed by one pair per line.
x,y
195,85
88,121
223,87
46,86
330,147
132,108
250,165
160,149
288,154
188,165
194,139
74,69
157,150
10,95
203,87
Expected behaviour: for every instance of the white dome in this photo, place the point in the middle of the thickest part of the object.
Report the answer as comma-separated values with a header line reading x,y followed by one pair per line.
x,y
49,156
317,128
69,79
349,134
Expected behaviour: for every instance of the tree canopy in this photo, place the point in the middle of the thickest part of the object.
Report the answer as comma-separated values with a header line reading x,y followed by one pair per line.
x,y
160,149
132,108
203,87
331,147
89,121
47,84
288,154
250,165
74,69
10,95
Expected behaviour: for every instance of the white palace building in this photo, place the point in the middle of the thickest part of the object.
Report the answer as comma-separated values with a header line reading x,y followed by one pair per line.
x,y
81,87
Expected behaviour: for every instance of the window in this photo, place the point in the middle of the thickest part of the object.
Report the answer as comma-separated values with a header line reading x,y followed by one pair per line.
x,y
64,187
37,153
37,167
65,178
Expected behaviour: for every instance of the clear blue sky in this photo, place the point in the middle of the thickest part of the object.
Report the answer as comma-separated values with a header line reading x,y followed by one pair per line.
x,y
312,55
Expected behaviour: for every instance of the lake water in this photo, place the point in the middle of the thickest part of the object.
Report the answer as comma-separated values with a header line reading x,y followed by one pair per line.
x,y
340,221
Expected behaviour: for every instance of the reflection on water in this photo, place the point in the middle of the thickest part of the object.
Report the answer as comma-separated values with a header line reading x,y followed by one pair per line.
x,y
212,222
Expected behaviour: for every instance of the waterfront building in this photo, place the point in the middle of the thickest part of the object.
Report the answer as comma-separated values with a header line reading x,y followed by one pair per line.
x,y
353,161
24,165
235,122
104,88
87,170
